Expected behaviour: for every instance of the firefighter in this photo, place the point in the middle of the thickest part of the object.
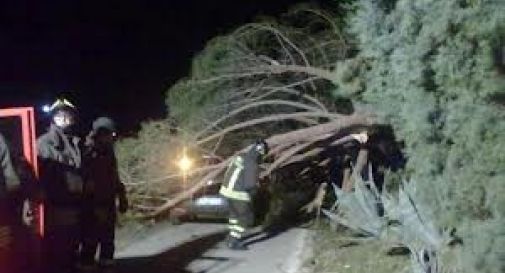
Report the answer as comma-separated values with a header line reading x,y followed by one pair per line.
x,y
59,151
103,190
240,184
9,186
17,191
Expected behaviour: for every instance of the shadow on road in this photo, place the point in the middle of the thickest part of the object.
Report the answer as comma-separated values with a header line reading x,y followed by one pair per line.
x,y
265,234
174,260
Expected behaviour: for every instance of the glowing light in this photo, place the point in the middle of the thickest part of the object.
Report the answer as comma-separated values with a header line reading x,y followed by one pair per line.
x,y
185,162
46,108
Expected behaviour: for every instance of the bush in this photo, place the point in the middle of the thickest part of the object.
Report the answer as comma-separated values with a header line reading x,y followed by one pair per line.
x,y
146,160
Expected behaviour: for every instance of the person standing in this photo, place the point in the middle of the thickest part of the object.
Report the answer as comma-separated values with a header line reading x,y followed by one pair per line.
x,y
9,187
240,184
59,151
104,191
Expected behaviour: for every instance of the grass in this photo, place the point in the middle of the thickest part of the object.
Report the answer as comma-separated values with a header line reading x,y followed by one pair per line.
x,y
337,251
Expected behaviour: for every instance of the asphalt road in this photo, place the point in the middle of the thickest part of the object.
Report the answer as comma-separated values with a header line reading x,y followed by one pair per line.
x,y
199,248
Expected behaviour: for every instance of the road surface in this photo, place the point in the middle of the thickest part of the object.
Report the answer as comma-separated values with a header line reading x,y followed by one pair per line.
x,y
198,248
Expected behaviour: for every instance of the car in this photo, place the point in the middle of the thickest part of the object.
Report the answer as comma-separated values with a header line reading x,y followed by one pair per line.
x,y
212,207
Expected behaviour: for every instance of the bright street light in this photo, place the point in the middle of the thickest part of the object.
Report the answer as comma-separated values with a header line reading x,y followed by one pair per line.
x,y
185,163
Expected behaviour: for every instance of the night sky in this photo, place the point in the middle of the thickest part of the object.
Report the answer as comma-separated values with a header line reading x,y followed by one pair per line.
x,y
110,57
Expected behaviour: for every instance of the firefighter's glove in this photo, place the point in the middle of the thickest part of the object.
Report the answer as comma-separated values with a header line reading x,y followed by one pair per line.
x,y
27,213
123,205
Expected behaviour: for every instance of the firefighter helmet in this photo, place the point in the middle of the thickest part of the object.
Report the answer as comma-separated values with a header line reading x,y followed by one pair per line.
x,y
63,113
104,123
261,146
61,104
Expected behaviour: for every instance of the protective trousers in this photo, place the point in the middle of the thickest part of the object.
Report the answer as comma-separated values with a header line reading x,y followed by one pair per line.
x,y
6,249
61,241
19,245
241,218
99,230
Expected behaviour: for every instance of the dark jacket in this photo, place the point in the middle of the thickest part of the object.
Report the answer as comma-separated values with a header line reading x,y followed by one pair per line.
x,y
241,177
61,174
103,185
9,182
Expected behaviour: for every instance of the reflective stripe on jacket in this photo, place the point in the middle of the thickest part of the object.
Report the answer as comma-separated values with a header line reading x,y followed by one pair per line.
x,y
241,177
234,174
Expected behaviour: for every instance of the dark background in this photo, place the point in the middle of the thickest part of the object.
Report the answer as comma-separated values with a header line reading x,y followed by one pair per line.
x,y
112,58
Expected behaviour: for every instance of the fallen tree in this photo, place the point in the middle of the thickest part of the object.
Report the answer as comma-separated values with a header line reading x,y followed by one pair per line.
x,y
302,144
432,69
264,80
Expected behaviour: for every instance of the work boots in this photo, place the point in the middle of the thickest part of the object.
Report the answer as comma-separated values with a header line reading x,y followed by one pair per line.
x,y
236,244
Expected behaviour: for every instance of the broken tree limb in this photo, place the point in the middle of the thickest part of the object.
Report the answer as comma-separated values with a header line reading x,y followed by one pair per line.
x,y
361,162
291,152
349,174
336,125
273,118
346,180
255,105
316,151
317,202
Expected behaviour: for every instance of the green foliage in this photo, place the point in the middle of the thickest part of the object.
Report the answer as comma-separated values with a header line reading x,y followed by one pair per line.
x,y
431,71
359,210
193,104
233,64
399,220
144,162
150,149
483,252
245,67
431,74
